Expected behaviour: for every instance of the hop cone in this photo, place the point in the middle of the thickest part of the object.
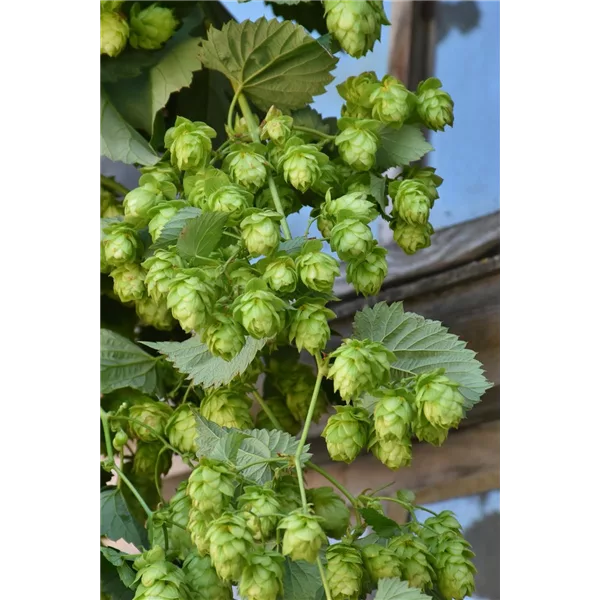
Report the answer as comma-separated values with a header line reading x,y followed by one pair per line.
x,y
435,107
121,244
262,577
367,273
181,430
427,176
317,270
151,27
170,587
202,579
415,559
438,526
453,566
282,414
346,432
230,199
280,274
390,450
309,328
351,239
412,237
139,203
358,143
303,536
260,312
227,407
113,33
190,298
260,508
108,204
355,25
352,205
110,4
392,102
288,493
194,184
332,509
128,282
247,169
224,337
149,459
344,571
153,414
393,414
160,215
177,514
360,366
439,400
411,201
260,232
161,268
162,171
210,487
357,89
276,126
154,313
189,143
381,562
230,545
301,165
197,527
426,432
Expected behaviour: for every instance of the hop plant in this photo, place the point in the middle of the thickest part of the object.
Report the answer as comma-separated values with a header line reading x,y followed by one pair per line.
x,y
246,167
427,176
224,337
309,328
262,576
303,536
393,414
411,201
391,451
149,459
260,509
282,413
195,180
367,272
121,244
177,514
280,274
139,202
287,196
346,432
228,407
357,90
360,366
276,126
197,527
260,312
301,164
230,545
355,25
181,430
190,298
353,205
317,270
110,4
160,214
331,509
434,106
231,199
189,143
351,238
391,101
150,420
151,27
344,571
288,493
298,394
161,268
128,282
160,172
415,559
412,237
114,32
453,566
161,580
438,526
358,142
439,400
427,432
260,232
381,562
202,579
154,313
210,487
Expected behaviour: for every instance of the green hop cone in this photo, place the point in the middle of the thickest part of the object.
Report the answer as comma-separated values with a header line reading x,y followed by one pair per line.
x,y
309,328
427,176
303,536
260,508
301,164
189,143
392,102
190,298
325,223
346,432
282,413
411,201
247,168
128,282
149,459
380,562
355,25
150,420
412,238
139,202
227,407
262,577
353,205
108,204
415,559
195,183
280,274
230,545
260,232
181,430
390,450
317,270
154,313
160,580
160,172
332,509
197,527
439,400
151,27
175,515
276,126
231,199
121,243
114,31
161,268
355,111
351,238
357,90
260,312
120,440
367,273
360,366
110,4
453,566
344,571
434,106
393,414
427,432
438,526
224,337
358,142
160,215
210,487
202,579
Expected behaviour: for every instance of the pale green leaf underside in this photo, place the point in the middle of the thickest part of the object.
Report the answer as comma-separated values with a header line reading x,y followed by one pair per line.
x,y
272,62
301,580
422,345
201,235
396,589
292,246
401,146
173,228
194,359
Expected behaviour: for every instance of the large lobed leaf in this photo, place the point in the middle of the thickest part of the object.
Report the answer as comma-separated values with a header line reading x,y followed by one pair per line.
x,y
301,580
422,345
393,588
272,62
381,525
401,146
116,522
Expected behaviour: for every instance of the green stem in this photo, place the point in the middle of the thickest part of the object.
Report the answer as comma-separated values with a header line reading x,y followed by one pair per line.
x,y
231,108
113,186
189,387
324,579
267,410
255,133
133,490
121,458
314,132
107,439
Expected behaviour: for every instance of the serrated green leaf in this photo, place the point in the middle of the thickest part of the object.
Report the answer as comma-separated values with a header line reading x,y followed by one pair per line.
x,y
292,246
272,62
111,583
378,191
301,580
124,364
193,358
220,443
116,522
115,557
382,525
422,345
396,589
172,229
311,118
119,141
401,146
200,236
